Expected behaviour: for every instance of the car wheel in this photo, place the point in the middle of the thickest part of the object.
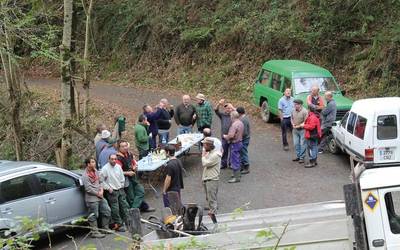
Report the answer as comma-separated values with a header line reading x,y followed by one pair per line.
x,y
266,115
333,147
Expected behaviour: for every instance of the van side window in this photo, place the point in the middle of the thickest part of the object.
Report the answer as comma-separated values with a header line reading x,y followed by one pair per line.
x,y
265,77
360,127
343,122
351,122
393,208
276,82
387,127
287,84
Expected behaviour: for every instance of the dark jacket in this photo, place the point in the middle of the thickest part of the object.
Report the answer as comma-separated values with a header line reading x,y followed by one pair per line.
x,y
152,118
329,114
164,121
184,115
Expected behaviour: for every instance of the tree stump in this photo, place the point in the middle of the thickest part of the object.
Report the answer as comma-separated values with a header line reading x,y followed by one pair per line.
x,y
134,224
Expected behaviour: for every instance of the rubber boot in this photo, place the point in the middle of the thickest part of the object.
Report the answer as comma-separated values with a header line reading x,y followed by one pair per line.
x,y
311,164
245,169
95,232
236,177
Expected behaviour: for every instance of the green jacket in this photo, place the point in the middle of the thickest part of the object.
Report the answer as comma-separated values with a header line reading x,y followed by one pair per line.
x,y
141,137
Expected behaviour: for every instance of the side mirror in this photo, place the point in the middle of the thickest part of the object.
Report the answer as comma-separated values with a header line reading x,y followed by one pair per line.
x,y
334,124
343,92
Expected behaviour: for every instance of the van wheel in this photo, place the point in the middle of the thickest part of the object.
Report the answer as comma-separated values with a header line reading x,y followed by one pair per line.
x,y
333,147
266,115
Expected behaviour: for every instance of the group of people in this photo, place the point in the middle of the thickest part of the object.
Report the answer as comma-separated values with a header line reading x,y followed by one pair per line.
x,y
111,178
310,128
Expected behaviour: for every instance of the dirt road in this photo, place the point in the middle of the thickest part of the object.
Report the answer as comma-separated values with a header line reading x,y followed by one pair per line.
x,y
274,179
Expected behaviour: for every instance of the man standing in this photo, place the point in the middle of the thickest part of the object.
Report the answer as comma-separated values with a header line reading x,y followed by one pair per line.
x,y
244,153
285,106
97,206
203,114
328,118
184,116
211,161
315,100
235,136
113,185
152,117
108,150
141,136
312,135
226,122
133,189
164,121
173,180
101,144
217,142
299,116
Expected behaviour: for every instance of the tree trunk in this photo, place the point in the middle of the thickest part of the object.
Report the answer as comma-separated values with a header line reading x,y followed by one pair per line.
x,y
65,50
86,72
14,90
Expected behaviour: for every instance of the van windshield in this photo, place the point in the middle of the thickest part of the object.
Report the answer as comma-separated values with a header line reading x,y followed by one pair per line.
x,y
304,84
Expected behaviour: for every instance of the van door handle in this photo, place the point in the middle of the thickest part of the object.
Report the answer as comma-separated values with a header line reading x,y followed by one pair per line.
x,y
7,211
378,243
51,200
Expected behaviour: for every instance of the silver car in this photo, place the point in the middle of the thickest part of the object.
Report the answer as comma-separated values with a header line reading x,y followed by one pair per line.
x,y
39,190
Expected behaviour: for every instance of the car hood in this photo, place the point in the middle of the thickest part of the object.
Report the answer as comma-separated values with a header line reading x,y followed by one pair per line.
x,y
341,101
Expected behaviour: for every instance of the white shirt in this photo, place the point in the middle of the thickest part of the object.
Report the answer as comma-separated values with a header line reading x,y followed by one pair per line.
x,y
113,177
217,145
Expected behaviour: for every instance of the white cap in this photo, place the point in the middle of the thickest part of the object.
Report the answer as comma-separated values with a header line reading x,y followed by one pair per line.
x,y
105,134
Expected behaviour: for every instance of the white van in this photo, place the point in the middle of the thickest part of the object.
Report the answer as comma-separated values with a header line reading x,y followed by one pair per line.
x,y
369,131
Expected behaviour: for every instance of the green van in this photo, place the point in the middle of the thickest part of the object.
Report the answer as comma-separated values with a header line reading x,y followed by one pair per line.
x,y
277,75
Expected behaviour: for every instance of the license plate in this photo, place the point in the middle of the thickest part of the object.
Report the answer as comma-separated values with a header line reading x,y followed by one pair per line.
x,y
386,154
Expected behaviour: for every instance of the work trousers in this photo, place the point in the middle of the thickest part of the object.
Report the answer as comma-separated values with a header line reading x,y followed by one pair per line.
x,y
286,125
312,148
224,158
119,206
134,193
211,190
324,138
244,153
299,143
235,155
99,211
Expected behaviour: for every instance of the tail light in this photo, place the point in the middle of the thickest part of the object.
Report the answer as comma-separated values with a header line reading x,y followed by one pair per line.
x,y
369,154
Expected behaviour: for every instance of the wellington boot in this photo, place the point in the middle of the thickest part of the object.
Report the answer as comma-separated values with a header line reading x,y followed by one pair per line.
x,y
235,178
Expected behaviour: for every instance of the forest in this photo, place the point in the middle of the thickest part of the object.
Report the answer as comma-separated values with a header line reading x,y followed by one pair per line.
x,y
210,46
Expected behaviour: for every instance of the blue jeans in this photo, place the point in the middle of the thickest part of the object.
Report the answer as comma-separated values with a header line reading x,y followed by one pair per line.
x,y
299,143
184,130
234,158
244,152
312,148
163,137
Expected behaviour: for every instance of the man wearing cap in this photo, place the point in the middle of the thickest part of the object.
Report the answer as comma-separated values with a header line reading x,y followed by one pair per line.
x,y
102,144
108,150
244,153
299,116
225,117
235,136
285,106
99,128
211,161
203,114
217,142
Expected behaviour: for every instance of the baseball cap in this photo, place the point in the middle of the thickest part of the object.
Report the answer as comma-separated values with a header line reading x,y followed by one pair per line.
x,y
105,134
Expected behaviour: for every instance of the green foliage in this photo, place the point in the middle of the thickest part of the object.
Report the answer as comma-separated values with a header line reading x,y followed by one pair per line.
x,y
23,233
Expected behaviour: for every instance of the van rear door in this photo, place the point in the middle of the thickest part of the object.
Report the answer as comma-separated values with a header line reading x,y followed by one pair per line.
x,y
386,138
